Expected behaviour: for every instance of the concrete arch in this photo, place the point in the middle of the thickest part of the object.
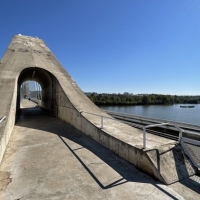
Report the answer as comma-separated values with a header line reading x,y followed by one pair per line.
x,y
46,81
43,77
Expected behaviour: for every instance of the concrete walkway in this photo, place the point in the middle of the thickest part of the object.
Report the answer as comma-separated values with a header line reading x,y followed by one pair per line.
x,y
49,159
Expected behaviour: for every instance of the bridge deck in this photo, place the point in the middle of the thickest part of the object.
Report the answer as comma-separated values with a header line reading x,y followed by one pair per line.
x,y
49,159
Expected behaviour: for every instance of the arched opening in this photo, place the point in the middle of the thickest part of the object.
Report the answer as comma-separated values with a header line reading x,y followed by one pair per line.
x,y
40,86
31,90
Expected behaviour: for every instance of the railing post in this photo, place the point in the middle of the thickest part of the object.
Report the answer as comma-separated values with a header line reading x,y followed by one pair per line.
x,y
180,135
101,121
144,137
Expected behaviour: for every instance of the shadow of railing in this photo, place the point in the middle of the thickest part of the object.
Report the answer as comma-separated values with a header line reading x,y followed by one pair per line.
x,y
182,165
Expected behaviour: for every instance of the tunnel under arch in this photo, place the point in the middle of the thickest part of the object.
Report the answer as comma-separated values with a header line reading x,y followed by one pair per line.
x,y
47,82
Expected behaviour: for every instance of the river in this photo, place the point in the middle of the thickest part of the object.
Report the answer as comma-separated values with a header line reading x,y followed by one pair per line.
x,y
168,112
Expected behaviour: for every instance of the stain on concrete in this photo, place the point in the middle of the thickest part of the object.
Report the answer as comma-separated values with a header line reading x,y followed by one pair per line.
x,y
5,180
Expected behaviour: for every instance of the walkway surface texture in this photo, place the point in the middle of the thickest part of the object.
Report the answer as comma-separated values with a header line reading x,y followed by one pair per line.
x,y
49,159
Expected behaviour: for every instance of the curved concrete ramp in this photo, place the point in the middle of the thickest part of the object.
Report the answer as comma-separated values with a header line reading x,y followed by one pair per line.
x,y
28,58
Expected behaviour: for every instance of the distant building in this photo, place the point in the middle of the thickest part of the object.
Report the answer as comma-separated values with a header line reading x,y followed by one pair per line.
x,y
142,94
88,93
128,94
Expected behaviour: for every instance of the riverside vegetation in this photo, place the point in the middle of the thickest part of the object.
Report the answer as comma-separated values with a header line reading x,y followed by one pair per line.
x,y
150,99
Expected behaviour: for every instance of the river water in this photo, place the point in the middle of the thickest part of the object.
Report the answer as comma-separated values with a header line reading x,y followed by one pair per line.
x,y
168,112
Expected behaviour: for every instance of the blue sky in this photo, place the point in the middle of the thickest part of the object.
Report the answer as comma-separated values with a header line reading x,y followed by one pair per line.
x,y
115,46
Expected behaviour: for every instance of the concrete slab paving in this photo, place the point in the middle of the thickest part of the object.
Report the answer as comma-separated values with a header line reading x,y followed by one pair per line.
x,y
49,159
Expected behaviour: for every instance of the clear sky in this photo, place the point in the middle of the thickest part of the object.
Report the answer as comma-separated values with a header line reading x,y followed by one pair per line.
x,y
115,46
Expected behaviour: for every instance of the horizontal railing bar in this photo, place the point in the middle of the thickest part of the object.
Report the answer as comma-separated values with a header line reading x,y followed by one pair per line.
x,y
150,119
151,131
170,126
99,115
155,125
165,121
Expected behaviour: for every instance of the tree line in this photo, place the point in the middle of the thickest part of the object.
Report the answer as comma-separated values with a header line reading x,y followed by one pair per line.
x,y
150,99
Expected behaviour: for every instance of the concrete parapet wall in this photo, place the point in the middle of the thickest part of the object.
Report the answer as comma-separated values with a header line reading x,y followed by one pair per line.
x,y
8,123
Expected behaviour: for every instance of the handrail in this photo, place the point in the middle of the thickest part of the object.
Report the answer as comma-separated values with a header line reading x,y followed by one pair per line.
x,y
144,127
149,126
99,116
144,118
2,119
162,124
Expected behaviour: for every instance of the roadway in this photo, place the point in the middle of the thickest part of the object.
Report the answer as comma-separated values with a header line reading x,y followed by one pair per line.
x,y
49,159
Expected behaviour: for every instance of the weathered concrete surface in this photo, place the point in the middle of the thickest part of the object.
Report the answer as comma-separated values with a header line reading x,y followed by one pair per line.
x,y
27,104
49,159
171,162
29,58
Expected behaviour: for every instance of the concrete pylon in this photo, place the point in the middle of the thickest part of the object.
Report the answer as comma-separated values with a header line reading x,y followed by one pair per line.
x,y
29,58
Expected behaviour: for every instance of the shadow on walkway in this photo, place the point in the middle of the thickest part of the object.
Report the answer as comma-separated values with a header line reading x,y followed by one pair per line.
x,y
39,119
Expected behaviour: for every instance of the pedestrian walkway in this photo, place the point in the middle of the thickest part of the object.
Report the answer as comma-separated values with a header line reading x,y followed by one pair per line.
x,y
49,159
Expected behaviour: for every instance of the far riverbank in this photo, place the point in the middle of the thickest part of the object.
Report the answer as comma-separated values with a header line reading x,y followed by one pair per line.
x,y
145,99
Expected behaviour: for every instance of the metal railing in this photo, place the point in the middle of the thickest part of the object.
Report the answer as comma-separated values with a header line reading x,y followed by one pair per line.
x,y
157,125
143,127
175,125
189,145
2,119
150,120
101,116
192,149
